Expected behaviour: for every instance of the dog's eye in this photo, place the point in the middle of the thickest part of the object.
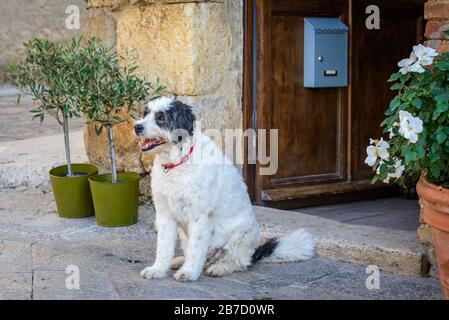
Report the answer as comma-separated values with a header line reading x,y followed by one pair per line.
x,y
145,113
160,117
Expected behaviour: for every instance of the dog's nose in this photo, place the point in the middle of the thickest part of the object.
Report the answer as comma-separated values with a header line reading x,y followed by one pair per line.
x,y
138,128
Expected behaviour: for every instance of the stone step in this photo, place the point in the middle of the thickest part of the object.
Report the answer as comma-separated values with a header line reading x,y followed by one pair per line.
x,y
396,251
27,162
6,91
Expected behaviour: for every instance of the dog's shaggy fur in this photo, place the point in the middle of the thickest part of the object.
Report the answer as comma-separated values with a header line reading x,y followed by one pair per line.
x,y
204,201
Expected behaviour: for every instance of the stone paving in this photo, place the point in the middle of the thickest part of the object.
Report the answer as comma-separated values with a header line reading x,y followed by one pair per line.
x,y
36,247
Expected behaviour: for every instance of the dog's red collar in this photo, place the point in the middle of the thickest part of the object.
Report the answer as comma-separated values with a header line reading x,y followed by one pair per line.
x,y
167,167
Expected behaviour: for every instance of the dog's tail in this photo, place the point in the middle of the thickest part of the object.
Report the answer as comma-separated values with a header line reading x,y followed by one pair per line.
x,y
296,246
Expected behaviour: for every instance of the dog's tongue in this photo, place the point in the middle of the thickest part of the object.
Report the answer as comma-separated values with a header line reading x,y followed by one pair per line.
x,y
147,143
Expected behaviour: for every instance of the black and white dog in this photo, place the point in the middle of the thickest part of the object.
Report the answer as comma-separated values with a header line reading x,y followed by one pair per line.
x,y
200,196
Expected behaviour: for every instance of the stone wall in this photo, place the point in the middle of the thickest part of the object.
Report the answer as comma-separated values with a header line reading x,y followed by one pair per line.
x,y
23,20
436,13
194,48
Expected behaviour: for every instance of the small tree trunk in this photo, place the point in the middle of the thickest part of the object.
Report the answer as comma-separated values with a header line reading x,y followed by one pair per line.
x,y
112,155
65,126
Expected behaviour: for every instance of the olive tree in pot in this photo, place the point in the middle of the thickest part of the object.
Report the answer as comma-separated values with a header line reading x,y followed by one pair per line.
x,y
47,75
109,95
417,123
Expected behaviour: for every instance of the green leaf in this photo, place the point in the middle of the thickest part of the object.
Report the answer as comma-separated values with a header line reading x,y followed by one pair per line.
x,y
397,86
442,106
420,151
375,179
394,77
442,97
383,171
395,103
410,156
435,170
441,137
18,98
443,65
436,115
416,102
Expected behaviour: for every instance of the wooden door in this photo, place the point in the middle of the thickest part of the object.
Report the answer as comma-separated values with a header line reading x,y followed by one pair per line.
x,y
323,133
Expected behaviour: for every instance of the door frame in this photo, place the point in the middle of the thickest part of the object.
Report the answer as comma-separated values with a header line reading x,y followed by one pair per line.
x,y
249,92
252,105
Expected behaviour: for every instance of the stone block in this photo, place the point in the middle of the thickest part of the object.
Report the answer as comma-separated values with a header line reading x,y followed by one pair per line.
x,y
104,3
18,283
52,285
33,200
15,256
440,45
436,10
131,286
194,48
426,240
128,154
185,46
100,23
398,252
27,162
436,30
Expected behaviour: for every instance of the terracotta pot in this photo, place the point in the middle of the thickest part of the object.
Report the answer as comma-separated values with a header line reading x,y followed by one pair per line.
x,y
435,203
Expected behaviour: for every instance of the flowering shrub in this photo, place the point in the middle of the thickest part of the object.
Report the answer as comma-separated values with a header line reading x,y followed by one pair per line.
x,y
417,122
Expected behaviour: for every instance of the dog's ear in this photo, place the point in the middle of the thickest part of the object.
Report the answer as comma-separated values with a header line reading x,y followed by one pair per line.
x,y
181,116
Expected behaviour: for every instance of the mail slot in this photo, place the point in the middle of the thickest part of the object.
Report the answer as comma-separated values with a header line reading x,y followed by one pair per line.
x,y
325,53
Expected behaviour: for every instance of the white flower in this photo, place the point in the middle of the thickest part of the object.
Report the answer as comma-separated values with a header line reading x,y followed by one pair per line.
x,y
383,145
403,115
410,126
391,136
378,167
398,170
420,56
377,149
424,54
410,65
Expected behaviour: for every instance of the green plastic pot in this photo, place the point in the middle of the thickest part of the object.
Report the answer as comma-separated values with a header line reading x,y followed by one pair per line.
x,y
115,204
72,194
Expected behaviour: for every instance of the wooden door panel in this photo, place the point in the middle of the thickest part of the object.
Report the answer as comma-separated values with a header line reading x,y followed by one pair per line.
x,y
310,121
376,53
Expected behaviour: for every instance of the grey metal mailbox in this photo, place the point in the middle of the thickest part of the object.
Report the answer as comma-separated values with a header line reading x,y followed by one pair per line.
x,y
325,53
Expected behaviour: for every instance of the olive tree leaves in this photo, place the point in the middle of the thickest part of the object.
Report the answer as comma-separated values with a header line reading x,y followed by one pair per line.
x,y
47,74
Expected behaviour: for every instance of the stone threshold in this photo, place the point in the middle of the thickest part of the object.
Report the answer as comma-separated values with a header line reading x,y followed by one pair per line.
x,y
396,251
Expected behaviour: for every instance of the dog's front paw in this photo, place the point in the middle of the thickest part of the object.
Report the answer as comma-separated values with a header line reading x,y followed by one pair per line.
x,y
153,273
184,275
